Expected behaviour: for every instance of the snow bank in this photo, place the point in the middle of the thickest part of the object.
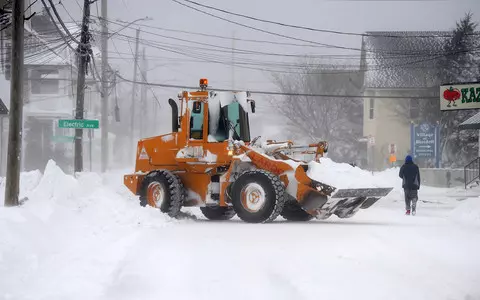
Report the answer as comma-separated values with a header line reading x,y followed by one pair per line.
x,y
343,176
468,212
28,181
87,238
70,233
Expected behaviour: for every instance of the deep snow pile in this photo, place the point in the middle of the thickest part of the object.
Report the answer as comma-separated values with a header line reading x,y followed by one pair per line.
x,y
468,212
343,176
87,238
28,181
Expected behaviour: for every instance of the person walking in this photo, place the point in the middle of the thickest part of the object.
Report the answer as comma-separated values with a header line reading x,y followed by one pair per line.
x,y
410,174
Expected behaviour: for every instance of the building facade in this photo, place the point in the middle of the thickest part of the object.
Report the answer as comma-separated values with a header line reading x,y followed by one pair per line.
x,y
400,64
49,94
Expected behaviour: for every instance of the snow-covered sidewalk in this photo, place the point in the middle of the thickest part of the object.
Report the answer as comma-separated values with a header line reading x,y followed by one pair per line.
x,y
88,238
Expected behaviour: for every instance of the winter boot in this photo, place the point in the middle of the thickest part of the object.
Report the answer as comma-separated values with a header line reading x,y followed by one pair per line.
x,y
414,212
408,212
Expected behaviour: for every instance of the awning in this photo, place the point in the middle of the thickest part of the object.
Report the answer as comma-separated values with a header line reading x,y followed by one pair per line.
x,y
471,123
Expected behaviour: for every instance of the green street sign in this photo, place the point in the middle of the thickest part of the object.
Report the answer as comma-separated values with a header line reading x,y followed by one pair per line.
x,y
79,124
63,139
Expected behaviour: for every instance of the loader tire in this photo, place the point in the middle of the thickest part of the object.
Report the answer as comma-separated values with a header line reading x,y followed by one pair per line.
x,y
218,213
292,211
258,196
163,190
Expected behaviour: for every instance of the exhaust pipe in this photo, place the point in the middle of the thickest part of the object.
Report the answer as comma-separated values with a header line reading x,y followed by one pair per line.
x,y
174,106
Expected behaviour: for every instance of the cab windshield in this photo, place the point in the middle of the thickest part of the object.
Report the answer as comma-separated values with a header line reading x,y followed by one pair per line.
x,y
230,119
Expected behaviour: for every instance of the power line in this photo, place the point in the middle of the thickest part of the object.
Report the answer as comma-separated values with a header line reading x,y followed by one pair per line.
x,y
60,20
277,93
251,52
243,65
274,33
143,76
68,13
309,28
56,26
382,51
222,37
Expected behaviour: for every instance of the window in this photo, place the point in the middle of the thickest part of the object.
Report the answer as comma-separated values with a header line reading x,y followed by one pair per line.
x,y
232,117
44,82
371,108
196,120
414,108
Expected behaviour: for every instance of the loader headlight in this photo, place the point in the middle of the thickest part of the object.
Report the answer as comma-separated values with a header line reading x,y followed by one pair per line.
x,y
230,152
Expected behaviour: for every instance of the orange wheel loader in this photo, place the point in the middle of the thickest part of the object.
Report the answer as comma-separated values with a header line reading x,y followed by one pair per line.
x,y
210,161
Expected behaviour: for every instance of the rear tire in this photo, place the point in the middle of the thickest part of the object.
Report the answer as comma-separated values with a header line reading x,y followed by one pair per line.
x,y
164,190
218,213
258,196
292,211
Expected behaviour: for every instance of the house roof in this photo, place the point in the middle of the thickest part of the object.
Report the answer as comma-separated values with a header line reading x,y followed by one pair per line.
x,y
403,59
3,108
471,123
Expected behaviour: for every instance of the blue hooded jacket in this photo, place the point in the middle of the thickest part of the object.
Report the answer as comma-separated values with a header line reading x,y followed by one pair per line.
x,y
410,174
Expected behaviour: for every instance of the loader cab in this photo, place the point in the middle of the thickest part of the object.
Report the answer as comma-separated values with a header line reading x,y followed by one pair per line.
x,y
226,116
222,121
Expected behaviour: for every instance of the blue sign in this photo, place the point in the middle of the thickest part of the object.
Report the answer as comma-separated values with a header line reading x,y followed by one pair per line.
x,y
425,142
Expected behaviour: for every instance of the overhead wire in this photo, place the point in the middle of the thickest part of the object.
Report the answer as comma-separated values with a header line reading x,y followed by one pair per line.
x,y
262,92
201,56
56,26
60,21
278,34
317,45
143,77
311,28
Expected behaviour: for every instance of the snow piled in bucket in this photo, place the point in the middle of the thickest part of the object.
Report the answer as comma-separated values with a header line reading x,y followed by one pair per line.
x,y
344,176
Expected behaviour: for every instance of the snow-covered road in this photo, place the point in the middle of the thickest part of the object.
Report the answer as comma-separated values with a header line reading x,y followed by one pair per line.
x,y
89,239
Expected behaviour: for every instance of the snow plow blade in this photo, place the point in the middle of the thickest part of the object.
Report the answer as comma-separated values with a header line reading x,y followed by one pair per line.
x,y
347,202
368,192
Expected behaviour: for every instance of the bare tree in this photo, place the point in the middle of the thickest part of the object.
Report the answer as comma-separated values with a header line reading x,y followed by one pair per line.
x,y
337,120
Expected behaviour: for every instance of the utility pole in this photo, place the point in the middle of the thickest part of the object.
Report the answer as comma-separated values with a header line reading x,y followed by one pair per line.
x,y
134,87
15,130
82,56
143,95
104,95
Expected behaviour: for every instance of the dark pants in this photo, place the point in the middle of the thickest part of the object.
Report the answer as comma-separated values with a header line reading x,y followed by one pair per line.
x,y
411,197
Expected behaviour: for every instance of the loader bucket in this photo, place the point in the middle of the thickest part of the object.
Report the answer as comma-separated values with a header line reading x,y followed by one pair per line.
x,y
345,203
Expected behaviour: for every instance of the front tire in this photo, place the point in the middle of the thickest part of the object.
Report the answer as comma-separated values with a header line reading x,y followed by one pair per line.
x,y
258,196
218,213
163,190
